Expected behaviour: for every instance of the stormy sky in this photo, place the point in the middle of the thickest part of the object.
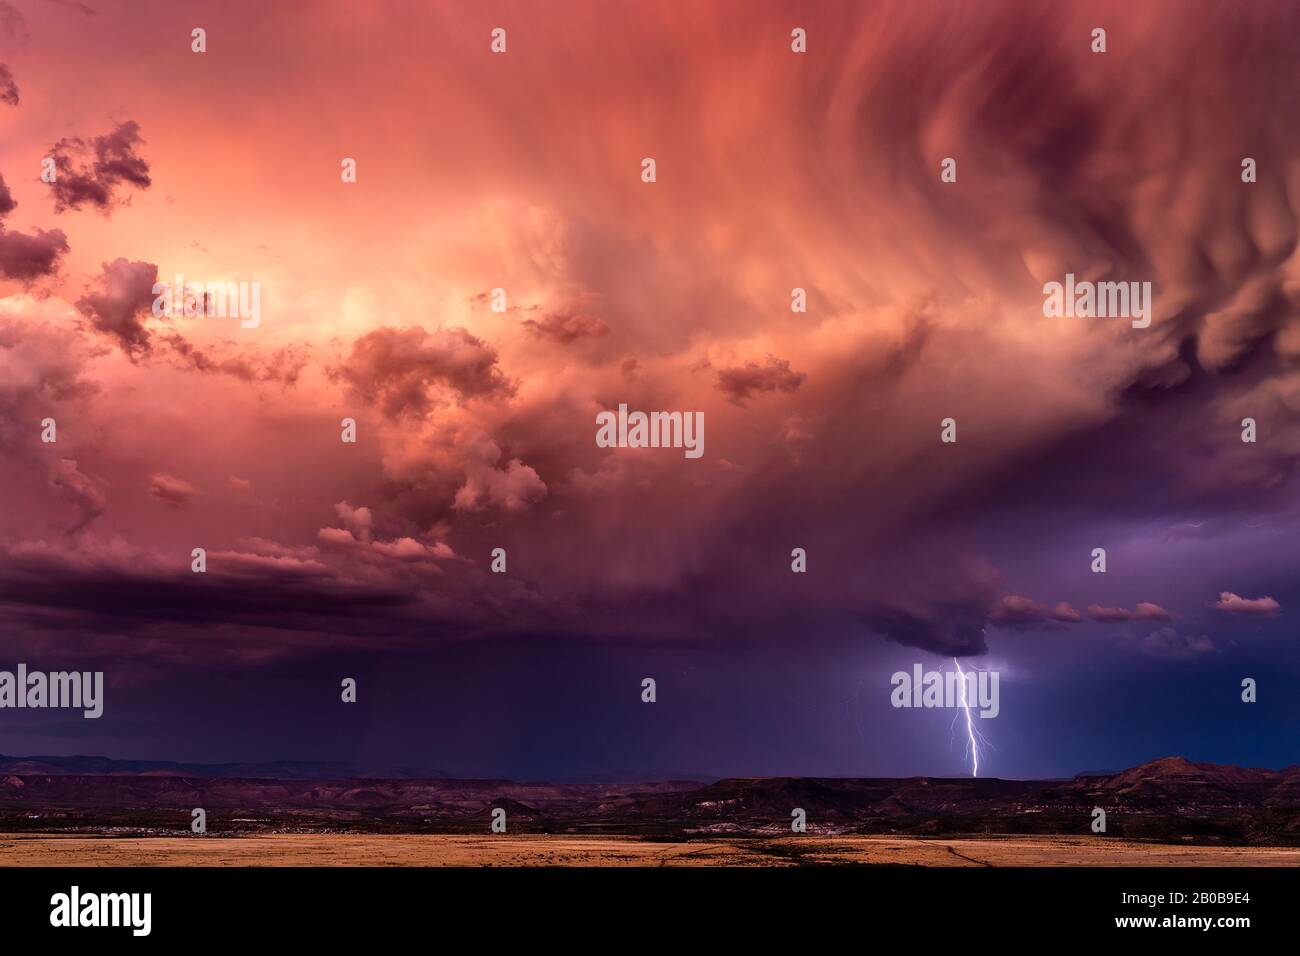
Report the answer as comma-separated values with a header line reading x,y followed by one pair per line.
x,y
775,170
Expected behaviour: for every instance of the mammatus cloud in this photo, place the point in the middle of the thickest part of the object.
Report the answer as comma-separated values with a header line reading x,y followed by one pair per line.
x,y
1236,604
928,307
97,172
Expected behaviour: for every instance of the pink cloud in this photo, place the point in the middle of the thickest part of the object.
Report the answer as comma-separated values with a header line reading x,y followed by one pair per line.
x,y
1236,604
171,490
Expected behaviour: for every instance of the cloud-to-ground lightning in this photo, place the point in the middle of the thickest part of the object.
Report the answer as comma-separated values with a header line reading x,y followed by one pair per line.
x,y
971,732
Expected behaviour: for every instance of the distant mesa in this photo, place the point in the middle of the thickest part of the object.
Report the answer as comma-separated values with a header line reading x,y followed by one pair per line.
x,y
1170,800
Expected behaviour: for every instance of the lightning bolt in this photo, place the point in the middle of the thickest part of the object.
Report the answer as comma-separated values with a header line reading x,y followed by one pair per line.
x,y
971,732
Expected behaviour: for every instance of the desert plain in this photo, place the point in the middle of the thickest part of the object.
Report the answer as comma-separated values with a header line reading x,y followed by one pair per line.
x,y
525,850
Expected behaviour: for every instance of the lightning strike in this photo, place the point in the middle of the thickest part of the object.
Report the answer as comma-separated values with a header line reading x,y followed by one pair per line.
x,y
970,725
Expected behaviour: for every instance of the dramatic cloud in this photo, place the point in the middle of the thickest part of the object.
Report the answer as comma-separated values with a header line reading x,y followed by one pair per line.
x,y
118,308
476,430
949,629
101,597
408,372
96,172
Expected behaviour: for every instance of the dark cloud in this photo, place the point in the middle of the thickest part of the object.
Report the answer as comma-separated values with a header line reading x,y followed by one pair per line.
x,y
264,601
95,172
1221,254
1135,429
740,383
118,307
283,366
7,202
943,608
8,88
566,328
25,256
406,372
948,629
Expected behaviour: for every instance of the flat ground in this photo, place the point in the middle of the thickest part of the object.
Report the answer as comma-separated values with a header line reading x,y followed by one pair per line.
x,y
530,850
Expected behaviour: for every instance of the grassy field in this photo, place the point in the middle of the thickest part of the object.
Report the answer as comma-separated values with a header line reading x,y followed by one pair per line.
x,y
531,850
